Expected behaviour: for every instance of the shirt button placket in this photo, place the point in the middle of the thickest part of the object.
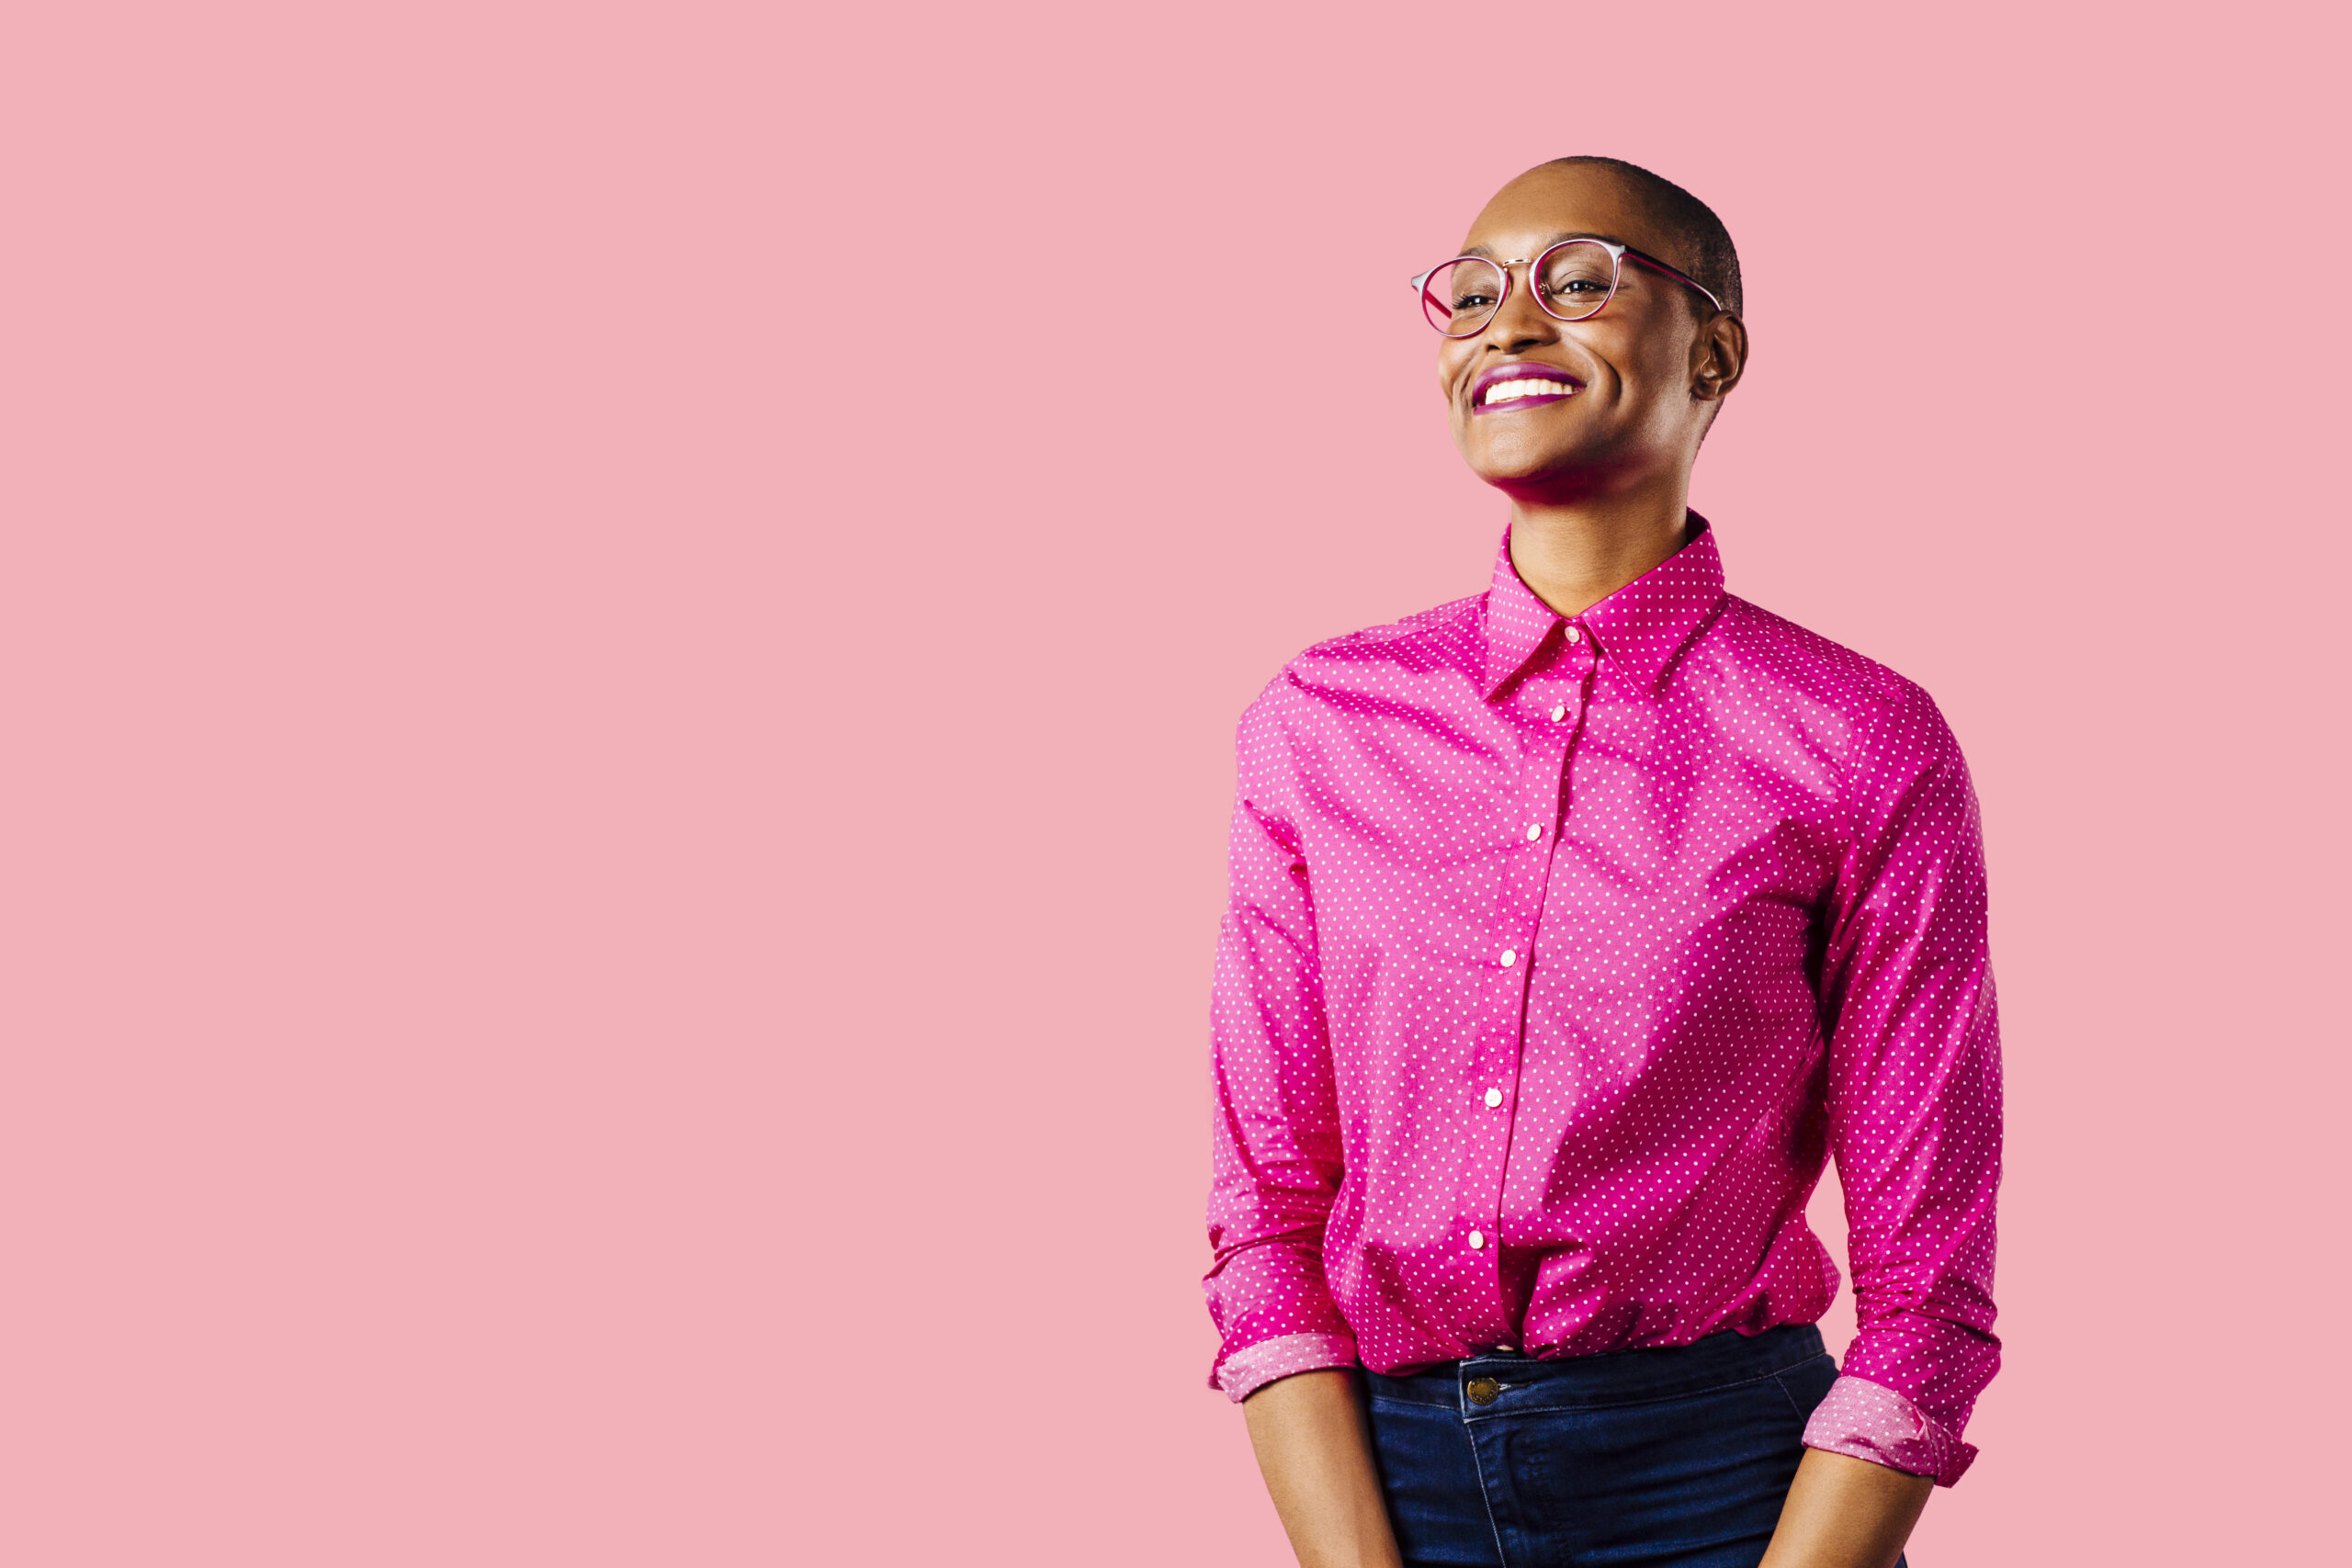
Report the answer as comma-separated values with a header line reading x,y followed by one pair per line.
x,y
1526,871
1545,782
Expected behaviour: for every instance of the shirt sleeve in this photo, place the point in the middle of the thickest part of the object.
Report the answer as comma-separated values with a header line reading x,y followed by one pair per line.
x,y
1277,1164
1914,1101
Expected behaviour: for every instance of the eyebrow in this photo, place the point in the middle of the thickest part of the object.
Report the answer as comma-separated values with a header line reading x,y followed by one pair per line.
x,y
1557,239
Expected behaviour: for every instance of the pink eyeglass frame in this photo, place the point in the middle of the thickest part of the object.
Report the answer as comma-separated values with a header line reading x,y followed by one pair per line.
x,y
1617,256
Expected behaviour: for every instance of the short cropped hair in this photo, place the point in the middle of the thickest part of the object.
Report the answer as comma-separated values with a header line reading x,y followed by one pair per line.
x,y
1708,253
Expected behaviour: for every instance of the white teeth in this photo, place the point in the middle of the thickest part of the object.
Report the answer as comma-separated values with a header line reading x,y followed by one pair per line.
x,y
1505,392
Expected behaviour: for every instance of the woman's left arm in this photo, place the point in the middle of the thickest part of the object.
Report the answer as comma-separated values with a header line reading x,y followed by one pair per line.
x,y
1846,1513
1915,1119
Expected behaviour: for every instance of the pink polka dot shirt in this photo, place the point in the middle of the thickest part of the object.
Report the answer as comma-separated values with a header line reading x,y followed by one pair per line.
x,y
1562,953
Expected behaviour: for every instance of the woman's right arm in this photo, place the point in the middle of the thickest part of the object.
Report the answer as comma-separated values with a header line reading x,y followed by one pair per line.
x,y
1316,1454
1285,1351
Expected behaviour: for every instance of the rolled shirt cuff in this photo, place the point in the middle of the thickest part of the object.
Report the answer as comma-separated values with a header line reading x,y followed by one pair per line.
x,y
1870,1421
1252,1366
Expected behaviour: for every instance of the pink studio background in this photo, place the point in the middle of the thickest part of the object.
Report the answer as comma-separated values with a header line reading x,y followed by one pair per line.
x,y
619,632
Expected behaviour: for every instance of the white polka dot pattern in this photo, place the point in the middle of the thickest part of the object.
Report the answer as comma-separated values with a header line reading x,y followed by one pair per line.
x,y
1555,968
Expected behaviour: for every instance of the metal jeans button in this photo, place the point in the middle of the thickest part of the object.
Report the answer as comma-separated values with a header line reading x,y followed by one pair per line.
x,y
1483,1391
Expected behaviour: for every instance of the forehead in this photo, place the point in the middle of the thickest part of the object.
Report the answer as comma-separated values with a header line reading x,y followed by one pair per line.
x,y
1544,204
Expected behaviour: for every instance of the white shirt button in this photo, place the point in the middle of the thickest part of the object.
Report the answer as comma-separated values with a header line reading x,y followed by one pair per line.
x,y
1575,634
1535,832
1494,1097
1559,712
1509,957
1478,1240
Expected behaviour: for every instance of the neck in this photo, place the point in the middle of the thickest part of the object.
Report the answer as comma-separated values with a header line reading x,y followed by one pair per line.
x,y
1577,553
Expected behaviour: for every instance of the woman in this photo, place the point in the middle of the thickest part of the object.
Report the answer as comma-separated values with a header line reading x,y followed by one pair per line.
x,y
1573,927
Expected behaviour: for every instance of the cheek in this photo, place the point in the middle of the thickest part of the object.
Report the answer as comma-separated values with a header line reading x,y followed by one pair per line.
x,y
1660,368
1449,361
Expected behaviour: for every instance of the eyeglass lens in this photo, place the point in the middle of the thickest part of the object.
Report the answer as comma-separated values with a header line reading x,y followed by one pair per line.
x,y
1574,281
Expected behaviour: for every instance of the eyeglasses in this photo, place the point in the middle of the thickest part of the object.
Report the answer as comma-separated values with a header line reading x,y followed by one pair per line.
x,y
1573,281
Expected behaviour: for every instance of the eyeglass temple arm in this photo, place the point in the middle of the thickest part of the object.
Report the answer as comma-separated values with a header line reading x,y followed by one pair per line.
x,y
1420,282
1680,276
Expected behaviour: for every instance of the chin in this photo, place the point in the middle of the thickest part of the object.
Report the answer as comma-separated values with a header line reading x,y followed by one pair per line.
x,y
1516,463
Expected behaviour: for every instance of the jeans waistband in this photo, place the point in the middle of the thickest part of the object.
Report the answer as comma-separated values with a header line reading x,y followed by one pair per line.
x,y
1614,1377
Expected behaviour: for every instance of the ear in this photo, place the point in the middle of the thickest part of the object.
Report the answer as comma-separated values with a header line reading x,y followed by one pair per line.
x,y
1717,357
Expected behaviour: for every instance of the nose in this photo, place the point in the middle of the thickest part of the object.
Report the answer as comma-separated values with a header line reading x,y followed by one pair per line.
x,y
1519,323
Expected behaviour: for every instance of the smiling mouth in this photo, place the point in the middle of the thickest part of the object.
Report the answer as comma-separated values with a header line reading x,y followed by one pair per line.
x,y
1522,392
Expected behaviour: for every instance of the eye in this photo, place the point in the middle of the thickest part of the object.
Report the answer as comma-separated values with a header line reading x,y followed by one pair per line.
x,y
1573,287
1470,299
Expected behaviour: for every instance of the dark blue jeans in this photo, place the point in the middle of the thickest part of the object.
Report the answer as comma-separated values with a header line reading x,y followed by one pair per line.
x,y
1674,1457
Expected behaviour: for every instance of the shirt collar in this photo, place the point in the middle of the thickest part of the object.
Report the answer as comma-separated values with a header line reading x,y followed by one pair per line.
x,y
1638,628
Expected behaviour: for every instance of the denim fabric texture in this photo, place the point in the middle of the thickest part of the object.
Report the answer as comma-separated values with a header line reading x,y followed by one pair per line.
x,y
1673,1458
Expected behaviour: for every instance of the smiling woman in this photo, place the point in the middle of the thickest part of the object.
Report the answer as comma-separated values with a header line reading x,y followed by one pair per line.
x,y
1573,928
